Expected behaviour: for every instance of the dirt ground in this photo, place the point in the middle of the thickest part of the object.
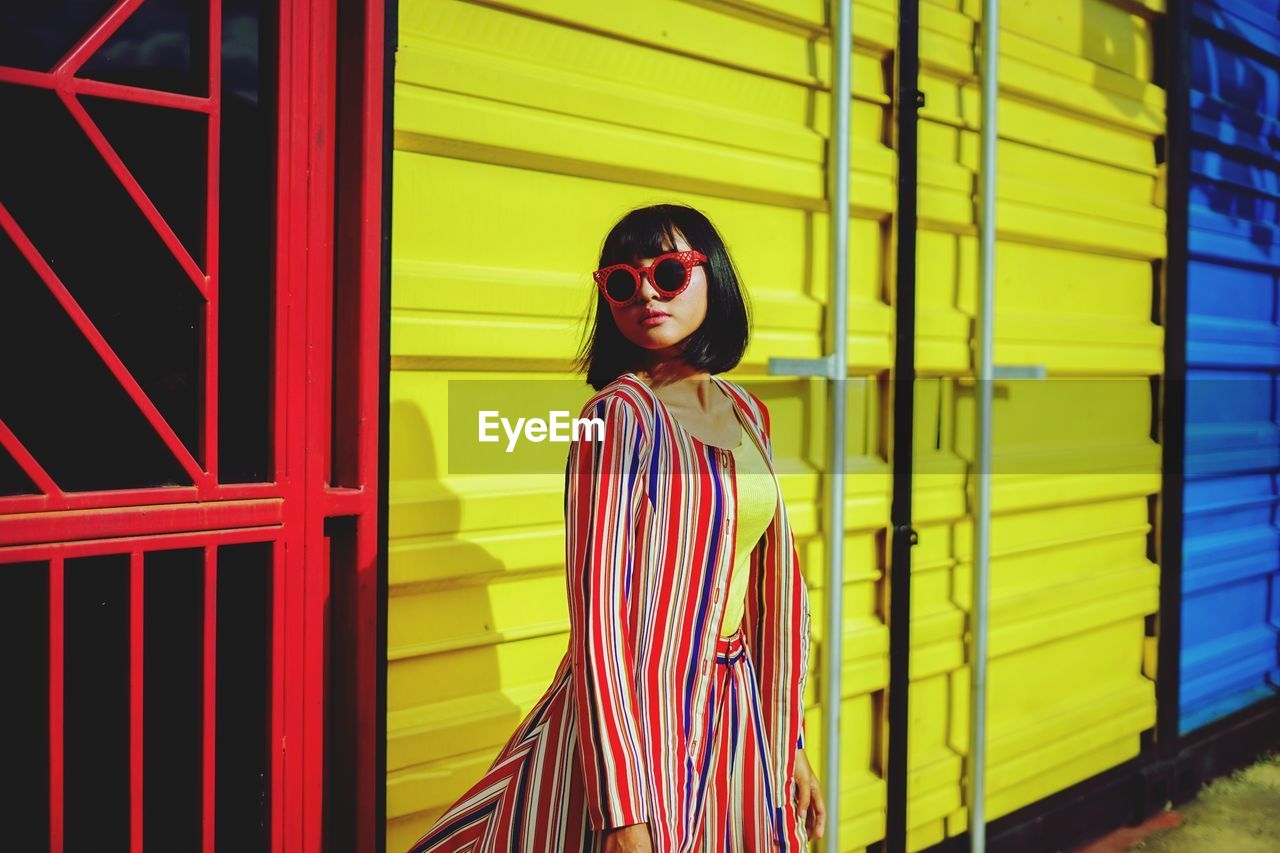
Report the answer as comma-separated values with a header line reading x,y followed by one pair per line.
x,y
1236,814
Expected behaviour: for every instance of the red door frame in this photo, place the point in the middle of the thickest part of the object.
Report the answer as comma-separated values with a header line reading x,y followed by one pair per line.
x,y
327,64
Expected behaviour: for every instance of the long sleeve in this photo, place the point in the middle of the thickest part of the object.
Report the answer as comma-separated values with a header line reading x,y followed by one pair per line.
x,y
778,635
602,479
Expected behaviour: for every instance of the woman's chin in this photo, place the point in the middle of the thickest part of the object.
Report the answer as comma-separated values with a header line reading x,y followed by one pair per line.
x,y
653,339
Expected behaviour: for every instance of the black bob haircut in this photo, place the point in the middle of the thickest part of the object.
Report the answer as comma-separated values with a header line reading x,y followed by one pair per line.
x,y
646,232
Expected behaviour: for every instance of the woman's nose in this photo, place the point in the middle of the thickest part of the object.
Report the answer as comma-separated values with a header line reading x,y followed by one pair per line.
x,y
647,290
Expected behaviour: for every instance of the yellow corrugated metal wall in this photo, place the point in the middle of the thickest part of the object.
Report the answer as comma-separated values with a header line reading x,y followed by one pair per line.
x,y
523,131
1081,236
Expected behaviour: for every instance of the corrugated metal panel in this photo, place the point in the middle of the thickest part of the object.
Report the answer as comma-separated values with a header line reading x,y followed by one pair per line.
x,y
1231,547
1081,236
523,131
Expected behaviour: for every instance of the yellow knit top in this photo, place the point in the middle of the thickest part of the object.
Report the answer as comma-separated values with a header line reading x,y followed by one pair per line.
x,y
757,500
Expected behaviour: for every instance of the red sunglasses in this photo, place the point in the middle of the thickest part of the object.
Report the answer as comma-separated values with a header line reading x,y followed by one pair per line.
x,y
670,274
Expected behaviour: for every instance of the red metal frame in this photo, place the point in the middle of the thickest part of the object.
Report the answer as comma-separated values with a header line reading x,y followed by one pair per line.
x,y
687,259
291,509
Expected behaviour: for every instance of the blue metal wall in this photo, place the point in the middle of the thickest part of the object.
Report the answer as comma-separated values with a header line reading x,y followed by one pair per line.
x,y
1231,546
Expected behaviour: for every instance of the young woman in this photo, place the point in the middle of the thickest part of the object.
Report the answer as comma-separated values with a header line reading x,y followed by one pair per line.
x,y
675,720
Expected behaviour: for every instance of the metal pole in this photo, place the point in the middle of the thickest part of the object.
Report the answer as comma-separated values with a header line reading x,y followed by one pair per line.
x,y
985,375
834,367
1174,386
908,100
832,694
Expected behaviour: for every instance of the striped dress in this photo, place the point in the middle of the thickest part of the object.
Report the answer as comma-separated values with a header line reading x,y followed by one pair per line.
x,y
651,716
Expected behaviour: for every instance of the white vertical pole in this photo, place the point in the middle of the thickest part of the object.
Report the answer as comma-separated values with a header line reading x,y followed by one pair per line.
x,y
985,374
841,96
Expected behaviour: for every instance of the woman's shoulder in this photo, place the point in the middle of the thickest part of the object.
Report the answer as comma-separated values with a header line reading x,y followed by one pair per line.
x,y
748,402
625,397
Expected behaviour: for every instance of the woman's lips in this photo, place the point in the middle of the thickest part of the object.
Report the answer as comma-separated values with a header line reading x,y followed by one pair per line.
x,y
650,320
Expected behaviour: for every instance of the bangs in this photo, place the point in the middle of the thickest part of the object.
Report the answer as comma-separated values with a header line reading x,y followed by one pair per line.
x,y
644,236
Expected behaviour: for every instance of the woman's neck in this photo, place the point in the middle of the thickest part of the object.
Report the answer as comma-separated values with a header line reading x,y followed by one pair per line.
x,y
676,382
665,371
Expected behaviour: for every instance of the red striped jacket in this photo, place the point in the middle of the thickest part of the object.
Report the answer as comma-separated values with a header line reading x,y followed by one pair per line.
x,y
650,528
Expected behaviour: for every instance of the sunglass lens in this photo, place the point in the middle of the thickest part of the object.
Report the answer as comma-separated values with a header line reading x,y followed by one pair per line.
x,y
620,285
669,275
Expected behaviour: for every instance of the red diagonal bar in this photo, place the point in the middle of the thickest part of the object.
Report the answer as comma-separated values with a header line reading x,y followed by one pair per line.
x,y
34,471
101,347
101,89
98,34
140,198
56,716
136,746
211,253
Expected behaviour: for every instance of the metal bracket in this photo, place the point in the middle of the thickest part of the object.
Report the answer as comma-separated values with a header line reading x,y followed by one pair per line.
x,y
825,367
1018,371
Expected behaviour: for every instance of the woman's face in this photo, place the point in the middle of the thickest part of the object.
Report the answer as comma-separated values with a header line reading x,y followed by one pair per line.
x,y
659,323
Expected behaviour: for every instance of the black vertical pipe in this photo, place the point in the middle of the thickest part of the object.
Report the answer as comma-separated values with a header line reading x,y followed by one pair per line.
x,y
908,99
1177,153
391,27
